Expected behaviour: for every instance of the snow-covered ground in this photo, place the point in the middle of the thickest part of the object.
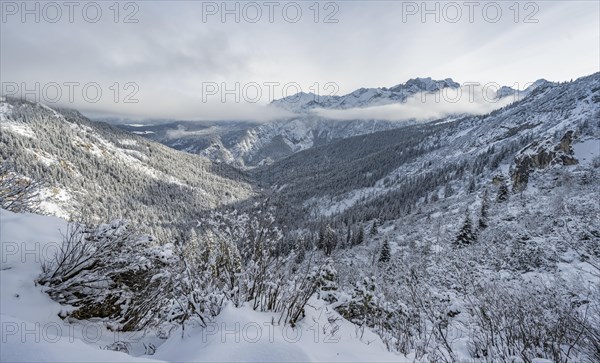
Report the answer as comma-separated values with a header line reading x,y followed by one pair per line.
x,y
242,334
32,330
586,151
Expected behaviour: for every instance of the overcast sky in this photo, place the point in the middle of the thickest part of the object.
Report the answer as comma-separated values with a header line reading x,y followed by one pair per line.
x,y
177,57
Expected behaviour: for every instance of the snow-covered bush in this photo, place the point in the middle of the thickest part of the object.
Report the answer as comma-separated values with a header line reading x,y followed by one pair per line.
x,y
109,272
526,320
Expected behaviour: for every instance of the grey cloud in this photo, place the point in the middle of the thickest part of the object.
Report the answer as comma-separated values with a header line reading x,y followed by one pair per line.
x,y
170,52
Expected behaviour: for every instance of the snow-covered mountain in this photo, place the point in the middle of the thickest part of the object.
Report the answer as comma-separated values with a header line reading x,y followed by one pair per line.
x,y
371,97
276,140
364,97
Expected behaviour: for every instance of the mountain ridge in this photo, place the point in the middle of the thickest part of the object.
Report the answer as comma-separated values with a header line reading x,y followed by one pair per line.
x,y
368,97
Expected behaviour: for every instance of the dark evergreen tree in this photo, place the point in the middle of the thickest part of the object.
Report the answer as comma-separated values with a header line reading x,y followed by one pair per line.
x,y
300,251
374,228
349,236
466,236
472,185
321,238
386,253
330,240
502,192
360,237
448,191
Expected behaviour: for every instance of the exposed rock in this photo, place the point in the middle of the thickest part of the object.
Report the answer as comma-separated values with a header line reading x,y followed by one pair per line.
x,y
539,155
498,179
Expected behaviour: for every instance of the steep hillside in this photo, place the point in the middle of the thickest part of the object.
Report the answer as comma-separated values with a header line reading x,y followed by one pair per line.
x,y
473,239
103,172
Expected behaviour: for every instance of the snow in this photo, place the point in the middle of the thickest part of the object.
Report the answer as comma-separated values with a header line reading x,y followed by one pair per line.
x,y
49,347
4,109
245,335
128,142
587,151
21,129
55,201
33,332
26,240
46,159
31,328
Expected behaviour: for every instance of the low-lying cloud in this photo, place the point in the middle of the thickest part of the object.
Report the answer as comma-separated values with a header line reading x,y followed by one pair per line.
x,y
188,109
471,100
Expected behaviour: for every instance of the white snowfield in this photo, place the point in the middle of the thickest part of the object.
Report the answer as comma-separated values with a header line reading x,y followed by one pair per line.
x,y
32,330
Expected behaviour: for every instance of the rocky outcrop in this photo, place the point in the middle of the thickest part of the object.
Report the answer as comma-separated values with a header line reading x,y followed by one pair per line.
x,y
539,155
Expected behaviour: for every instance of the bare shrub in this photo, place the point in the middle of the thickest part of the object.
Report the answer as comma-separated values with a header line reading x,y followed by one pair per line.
x,y
526,320
17,194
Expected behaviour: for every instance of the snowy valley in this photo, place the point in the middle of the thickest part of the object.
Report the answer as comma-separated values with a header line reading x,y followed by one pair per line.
x,y
249,144
467,238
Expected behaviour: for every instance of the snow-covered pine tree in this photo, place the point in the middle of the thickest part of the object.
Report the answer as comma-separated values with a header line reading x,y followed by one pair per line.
x,y
329,240
385,254
466,236
328,281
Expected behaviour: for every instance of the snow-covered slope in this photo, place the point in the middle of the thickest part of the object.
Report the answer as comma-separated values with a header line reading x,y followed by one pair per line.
x,y
83,163
244,335
276,140
506,91
32,330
